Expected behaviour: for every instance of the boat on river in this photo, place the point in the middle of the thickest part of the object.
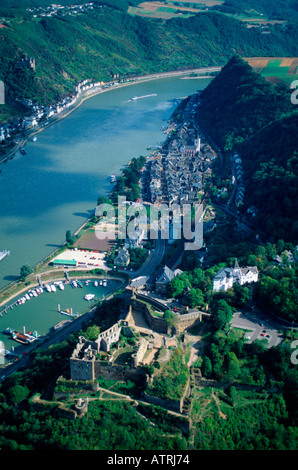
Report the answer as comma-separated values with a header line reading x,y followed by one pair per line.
x,y
135,98
3,254
89,296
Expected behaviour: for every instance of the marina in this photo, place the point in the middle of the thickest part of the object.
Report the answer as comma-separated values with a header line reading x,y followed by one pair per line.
x,y
44,311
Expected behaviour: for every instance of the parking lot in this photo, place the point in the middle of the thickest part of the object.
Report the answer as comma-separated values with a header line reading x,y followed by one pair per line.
x,y
87,258
258,327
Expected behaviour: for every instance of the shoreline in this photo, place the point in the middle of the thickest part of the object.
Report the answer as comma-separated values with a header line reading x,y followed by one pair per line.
x,y
81,275
86,96
80,101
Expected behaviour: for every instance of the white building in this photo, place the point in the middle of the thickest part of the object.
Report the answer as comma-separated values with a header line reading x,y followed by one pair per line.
x,y
30,122
226,277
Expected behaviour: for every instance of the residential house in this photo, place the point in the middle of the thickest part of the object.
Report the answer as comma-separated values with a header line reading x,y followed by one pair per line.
x,y
226,277
164,276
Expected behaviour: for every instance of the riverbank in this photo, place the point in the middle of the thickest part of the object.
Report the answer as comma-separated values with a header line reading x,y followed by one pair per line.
x,y
90,93
55,276
40,267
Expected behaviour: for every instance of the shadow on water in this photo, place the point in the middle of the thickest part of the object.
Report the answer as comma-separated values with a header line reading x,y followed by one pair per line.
x,y
11,278
85,215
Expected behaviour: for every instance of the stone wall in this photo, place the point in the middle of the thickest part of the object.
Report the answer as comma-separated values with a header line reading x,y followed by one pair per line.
x,y
157,324
139,355
119,372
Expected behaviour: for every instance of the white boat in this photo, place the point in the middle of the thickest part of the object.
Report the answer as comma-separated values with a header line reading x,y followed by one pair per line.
x,y
74,284
3,254
95,283
135,98
27,297
61,286
100,282
48,289
34,139
34,293
89,296
53,288
104,283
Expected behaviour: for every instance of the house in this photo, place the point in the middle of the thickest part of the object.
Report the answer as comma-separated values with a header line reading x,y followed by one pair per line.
x,y
30,122
226,277
123,258
164,276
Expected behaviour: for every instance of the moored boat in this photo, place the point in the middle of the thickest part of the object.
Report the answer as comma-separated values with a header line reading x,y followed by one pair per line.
x,y
89,296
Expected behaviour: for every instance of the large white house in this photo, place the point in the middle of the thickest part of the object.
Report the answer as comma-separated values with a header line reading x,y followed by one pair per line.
x,y
226,277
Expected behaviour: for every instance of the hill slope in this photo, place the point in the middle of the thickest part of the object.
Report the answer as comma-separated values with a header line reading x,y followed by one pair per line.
x,y
244,113
105,41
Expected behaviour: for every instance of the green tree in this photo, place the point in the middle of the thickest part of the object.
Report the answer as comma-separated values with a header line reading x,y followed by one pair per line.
x,y
25,271
207,367
170,318
232,366
195,298
69,238
17,393
222,315
175,287
92,332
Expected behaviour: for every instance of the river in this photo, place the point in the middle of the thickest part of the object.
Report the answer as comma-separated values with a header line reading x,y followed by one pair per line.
x,y
55,186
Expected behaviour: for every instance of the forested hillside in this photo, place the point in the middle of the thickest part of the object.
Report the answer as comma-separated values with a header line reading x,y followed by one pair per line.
x,y
105,41
279,9
244,113
270,161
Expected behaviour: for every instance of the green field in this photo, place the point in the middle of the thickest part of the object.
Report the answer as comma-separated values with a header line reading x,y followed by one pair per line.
x,y
279,69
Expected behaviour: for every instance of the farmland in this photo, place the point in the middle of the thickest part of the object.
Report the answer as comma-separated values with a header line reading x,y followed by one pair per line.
x,y
276,69
170,9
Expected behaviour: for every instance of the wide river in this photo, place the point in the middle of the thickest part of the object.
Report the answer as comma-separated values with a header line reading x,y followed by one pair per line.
x,y
55,186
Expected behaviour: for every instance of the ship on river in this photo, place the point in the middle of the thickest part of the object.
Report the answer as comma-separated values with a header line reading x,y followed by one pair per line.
x,y
3,254
135,98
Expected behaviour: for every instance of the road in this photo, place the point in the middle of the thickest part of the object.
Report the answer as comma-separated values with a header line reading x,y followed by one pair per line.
x,y
152,261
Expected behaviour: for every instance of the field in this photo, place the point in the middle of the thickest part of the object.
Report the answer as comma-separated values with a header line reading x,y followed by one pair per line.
x,y
89,241
167,9
276,69
172,8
